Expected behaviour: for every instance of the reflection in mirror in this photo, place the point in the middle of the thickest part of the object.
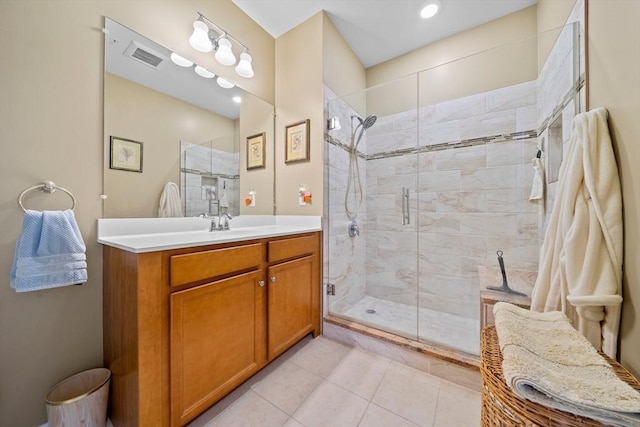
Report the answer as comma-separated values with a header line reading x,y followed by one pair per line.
x,y
193,133
209,179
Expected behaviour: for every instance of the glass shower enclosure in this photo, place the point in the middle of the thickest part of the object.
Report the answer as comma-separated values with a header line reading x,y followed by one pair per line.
x,y
427,180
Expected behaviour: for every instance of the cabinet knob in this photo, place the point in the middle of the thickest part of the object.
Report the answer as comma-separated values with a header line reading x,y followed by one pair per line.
x,y
261,283
273,279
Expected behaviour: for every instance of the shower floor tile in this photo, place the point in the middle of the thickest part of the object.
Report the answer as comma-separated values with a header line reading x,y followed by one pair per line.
x,y
457,332
362,389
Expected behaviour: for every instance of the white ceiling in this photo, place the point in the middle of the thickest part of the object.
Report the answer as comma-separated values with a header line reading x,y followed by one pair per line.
x,y
379,30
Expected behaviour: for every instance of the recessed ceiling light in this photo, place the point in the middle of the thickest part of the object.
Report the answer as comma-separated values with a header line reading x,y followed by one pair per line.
x,y
430,9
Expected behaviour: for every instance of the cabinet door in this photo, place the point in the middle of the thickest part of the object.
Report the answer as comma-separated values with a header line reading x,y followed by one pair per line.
x,y
217,341
289,302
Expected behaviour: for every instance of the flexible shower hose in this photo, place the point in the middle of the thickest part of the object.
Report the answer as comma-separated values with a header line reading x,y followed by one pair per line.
x,y
354,171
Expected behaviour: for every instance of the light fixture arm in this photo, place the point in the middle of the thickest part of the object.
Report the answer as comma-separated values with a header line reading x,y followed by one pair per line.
x,y
221,33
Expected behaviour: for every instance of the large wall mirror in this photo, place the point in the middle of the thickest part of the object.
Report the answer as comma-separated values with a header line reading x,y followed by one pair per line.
x,y
165,124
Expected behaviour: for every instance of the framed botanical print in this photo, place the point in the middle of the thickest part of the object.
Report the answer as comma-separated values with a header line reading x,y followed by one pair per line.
x,y
256,152
125,154
297,142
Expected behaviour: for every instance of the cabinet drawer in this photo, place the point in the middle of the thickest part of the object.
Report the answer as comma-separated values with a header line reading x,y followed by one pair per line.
x,y
198,266
290,248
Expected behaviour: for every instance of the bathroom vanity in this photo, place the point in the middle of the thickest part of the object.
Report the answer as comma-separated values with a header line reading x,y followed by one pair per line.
x,y
190,315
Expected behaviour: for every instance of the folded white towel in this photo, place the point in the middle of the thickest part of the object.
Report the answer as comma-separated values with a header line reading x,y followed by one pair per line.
x,y
537,186
545,360
49,252
170,203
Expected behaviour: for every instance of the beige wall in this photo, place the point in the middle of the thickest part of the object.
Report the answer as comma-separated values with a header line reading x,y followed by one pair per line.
x,y
299,97
256,116
499,53
552,14
517,26
342,71
160,122
614,83
51,129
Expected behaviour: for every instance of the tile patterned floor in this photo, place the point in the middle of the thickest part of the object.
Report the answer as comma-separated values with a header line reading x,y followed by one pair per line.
x,y
323,383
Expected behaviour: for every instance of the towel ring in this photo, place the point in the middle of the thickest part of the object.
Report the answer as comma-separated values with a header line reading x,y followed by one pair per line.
x,y
46,187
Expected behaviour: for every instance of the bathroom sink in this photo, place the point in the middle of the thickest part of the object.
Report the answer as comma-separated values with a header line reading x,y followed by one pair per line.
x,y
156,241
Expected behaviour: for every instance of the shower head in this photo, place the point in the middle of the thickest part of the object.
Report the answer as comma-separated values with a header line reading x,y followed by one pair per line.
x,y
368,122
364,124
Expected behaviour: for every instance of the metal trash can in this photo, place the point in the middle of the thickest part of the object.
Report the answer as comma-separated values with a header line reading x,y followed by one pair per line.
x,y
80,400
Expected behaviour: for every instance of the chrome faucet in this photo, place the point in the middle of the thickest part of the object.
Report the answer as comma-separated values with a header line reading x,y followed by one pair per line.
x,y
223,224
213,224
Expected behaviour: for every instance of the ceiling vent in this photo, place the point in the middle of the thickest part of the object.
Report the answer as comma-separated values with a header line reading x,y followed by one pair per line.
x,y
145,55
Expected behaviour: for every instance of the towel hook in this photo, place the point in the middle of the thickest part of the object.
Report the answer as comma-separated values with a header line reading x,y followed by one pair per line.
x,y
46,187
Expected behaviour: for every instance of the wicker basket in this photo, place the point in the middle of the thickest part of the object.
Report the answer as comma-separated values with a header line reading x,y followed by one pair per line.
x,y
501,407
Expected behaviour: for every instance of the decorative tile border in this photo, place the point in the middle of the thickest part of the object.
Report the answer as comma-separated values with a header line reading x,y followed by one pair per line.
x,y
493,139
209,174
568,97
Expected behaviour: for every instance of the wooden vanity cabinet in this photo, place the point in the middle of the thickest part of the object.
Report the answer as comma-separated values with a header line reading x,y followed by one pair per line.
x,y
292,305
184,327
217,331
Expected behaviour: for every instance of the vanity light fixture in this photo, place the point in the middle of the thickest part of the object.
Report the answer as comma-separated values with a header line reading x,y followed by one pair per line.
x,y
200,39
179,60
207,36
430,9
244,68
237,99
203,72
224,54
222,82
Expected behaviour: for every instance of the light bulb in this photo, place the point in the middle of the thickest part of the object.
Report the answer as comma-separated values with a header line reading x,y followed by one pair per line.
x,y
244,68
199,40
224,54
179,60
203,72
237,99
222,82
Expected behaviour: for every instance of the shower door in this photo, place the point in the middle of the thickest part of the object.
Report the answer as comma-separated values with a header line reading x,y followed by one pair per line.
x,y
371,207
459,140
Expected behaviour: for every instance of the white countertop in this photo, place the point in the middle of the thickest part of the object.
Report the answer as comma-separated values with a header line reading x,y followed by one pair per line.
x,y
141,235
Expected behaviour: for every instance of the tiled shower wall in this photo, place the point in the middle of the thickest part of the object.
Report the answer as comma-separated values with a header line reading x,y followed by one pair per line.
x,y
469,179
472,184
344,256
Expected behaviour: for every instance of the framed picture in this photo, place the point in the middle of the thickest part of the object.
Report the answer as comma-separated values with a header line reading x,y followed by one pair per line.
x,y
256,151
125,155
297,142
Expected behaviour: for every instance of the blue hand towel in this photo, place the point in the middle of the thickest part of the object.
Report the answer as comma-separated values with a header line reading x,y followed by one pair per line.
x,y
49,252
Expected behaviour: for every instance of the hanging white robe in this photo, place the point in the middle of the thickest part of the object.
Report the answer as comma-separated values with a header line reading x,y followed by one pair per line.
x,y
580,271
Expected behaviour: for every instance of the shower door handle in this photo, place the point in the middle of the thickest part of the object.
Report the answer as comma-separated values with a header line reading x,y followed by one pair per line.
x,y
406,219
